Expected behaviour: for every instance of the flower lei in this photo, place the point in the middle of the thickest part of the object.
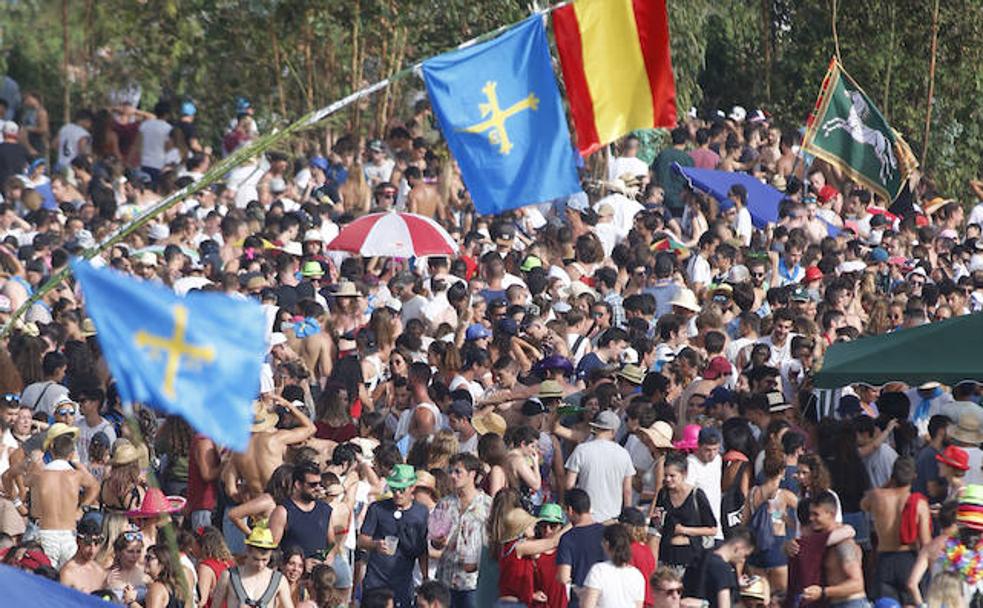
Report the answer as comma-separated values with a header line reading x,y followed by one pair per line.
x,y
964,561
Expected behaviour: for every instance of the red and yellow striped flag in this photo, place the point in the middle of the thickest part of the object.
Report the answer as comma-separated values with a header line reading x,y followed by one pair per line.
x,y
617,68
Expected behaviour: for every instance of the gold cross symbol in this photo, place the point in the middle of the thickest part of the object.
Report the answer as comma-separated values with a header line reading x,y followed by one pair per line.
x,y
495,117
175,347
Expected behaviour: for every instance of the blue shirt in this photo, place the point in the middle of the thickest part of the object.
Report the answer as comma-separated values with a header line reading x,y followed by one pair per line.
x,y
580,548
395,572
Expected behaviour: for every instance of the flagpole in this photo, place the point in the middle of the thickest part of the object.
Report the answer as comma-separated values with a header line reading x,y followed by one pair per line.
x,y
239,157
931,82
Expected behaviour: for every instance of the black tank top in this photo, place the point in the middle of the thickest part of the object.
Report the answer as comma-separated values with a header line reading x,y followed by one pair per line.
x,y
306,529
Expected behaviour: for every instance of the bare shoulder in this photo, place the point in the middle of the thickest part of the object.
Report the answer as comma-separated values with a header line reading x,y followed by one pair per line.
x,y
847,550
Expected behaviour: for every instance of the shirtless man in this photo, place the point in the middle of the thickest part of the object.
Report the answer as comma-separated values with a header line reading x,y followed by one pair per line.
x,y
247,473
842,568
317,350
83,572
895,559
55,488
423,197
254,581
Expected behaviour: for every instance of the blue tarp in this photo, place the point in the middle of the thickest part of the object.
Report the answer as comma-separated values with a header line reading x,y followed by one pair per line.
x,y
22,588
762,199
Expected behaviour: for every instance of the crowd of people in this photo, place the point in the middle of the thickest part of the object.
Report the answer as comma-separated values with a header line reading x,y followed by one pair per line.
x,y
601,401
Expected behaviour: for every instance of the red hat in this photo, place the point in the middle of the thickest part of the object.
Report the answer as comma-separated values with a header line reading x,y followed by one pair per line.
x,y
813,274
155,503
956,458
826,193
717,367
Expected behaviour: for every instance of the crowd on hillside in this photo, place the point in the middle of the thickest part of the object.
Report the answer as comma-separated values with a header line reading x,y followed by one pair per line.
x,y
603,401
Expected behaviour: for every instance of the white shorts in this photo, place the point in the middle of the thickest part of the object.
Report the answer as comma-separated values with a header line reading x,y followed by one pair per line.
x,y
58,545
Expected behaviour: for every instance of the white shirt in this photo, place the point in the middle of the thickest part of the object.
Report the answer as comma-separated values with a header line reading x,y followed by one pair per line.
x,y
706,476
976,215
69,137
86,433
779,354
154,134
743,226
626,164
620,587
376,174
699,270
7,445
601,467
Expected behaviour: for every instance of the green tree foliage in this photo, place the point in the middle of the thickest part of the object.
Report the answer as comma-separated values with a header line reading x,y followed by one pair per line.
x,y
289,56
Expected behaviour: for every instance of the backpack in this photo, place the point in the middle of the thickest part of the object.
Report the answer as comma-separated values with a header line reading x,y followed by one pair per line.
x,y
760,525
732,503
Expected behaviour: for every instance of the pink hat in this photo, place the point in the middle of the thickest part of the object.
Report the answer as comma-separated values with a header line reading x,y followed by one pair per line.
x,y
155,503
691,438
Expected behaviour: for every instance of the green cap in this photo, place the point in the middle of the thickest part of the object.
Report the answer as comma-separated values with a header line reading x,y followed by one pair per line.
x,y
530,262
312,268
403,476
552,513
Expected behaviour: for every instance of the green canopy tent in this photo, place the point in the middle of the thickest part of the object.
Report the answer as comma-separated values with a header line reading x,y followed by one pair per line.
x,y
948,352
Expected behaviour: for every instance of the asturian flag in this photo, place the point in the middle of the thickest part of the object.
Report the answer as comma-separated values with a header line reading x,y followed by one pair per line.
x,y
499,109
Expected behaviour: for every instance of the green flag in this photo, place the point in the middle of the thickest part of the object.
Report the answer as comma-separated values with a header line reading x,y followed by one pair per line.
x,y
848,131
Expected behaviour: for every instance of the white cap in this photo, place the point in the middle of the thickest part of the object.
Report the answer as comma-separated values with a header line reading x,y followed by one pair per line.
x,y
159,232
737,113
10,128
313,235
277,338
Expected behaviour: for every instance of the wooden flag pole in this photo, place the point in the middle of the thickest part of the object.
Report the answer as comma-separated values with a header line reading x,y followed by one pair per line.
x,y
931,83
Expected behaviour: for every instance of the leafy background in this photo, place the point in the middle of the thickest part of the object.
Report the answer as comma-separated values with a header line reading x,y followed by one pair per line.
x,y
289,56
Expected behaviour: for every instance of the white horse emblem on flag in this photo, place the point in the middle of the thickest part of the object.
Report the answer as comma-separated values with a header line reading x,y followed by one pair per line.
x,y
854,125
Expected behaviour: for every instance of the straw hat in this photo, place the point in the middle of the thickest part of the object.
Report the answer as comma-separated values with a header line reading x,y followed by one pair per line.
x,y
57,430
517,521
313,235
550,389
125,454
261,537
263,419
967,430
632,373
660,434
293,248
346,289
685,298
489,423
155,503
758,590
88,328
426,481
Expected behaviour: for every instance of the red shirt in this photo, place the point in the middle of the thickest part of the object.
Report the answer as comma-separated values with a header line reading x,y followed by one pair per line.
x,y
642,558
338,434
202,495
545,581
515,574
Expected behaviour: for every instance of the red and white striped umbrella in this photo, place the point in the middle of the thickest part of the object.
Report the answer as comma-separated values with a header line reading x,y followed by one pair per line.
x,y
392,234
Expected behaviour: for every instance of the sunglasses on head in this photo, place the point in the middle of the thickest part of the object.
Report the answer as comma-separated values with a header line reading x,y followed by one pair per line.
x,y
65,411
132,535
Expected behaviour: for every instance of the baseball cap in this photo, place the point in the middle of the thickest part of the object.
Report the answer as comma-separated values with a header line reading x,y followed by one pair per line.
x,y
813,274
717,396
376,145
800,294
461,409
717,367
533,407
476,331
709,436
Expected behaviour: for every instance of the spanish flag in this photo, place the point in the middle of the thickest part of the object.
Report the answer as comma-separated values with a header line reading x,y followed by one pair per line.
x,y
617,68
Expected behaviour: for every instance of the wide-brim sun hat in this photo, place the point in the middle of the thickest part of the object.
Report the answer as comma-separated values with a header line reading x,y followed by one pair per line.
x,y
124,454
517,521
550,389
691,438
57,430
263,419
155,503
685,298
659,434
489,423
967,429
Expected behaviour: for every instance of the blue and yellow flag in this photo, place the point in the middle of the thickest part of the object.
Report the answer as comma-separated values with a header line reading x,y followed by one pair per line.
x,y
198,357
499,109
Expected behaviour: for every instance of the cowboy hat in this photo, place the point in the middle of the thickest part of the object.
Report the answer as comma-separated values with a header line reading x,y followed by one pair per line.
x,y
155,503
517,521
660,434
57,430
685,298
263,419
346,289
260,536
489,423
967,430
403,476
124,454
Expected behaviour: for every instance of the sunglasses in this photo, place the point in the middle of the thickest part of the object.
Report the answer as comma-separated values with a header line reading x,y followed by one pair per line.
x,y
67,411
132,535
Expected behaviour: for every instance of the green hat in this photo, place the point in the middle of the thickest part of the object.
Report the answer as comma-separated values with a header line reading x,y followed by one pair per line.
x,y
530,262
403,476
312,268
552,513
972,495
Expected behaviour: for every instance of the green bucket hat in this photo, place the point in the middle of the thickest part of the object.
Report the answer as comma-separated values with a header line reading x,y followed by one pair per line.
x,y
551,513
530,262
312,268
972,495
403,476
